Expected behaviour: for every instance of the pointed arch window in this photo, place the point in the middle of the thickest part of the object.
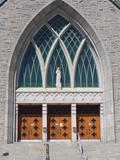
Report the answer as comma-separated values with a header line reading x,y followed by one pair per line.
x,y
86,71
58,60
58,43
30,72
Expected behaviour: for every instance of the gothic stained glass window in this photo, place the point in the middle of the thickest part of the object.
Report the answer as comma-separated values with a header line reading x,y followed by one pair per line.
x,y
58,23
44,40
72,39
58,60
30,73
52,44
86,72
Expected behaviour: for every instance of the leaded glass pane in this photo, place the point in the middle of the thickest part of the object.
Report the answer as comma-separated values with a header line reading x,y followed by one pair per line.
x,y
86,72
30,74
95,78
72,39
89,76
44,39
58,23
58,60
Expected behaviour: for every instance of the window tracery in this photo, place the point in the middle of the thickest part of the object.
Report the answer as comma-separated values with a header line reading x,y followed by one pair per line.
x,y
66,43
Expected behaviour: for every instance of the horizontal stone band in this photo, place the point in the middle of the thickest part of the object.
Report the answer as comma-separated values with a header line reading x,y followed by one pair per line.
x,y
84,97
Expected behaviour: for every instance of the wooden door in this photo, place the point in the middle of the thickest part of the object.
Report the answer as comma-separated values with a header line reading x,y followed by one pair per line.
x,y
59,127
88,126
30,127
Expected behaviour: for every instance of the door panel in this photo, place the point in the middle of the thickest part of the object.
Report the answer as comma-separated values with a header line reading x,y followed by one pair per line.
x,y
59,127
30,127
88,126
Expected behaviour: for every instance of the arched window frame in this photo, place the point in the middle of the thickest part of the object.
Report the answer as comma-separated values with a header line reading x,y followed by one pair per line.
x,y
72,67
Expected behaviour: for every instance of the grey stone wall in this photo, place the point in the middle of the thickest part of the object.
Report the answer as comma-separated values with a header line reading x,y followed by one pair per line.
x,y
15,15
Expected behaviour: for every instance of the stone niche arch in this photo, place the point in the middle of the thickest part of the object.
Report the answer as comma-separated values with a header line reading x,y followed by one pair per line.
x,y
107,109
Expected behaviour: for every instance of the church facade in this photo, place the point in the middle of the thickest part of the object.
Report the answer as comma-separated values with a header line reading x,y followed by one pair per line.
x,y
59,74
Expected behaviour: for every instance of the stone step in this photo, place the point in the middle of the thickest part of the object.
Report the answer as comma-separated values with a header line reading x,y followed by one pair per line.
x,y
19,151
102,151
64,151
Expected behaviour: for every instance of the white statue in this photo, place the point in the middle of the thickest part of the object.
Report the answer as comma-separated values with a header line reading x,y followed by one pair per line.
x,y
58,78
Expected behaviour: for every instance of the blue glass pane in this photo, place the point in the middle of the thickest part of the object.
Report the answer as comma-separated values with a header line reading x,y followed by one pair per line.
x,y
89,77
58,23
26,76
33,77
44,39
30,74
2,1
95,78
83,77
58,60
86,72
72,39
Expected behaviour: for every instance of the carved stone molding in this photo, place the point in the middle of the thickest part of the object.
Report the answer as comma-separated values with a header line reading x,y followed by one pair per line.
x,y
54,97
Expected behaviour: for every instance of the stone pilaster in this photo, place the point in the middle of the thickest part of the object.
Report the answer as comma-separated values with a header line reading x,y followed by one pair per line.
x,y
16,123
73,122
44,122
102,123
